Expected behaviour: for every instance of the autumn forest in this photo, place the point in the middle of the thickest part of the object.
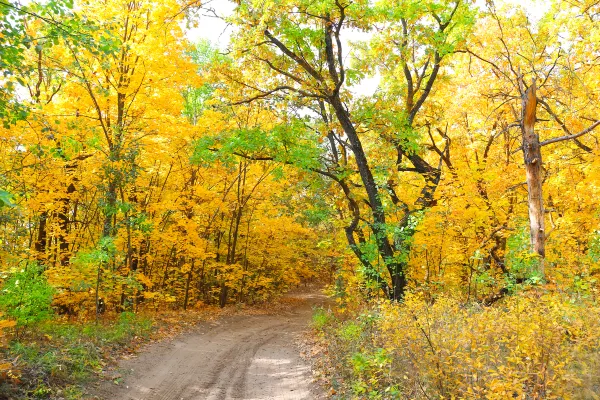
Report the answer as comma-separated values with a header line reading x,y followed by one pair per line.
x,y
432,166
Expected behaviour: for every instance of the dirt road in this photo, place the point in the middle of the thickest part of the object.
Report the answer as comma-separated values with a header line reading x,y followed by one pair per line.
x,y
237,357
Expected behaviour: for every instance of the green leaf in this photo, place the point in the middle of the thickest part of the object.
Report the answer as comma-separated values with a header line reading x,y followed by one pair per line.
x,y
6,199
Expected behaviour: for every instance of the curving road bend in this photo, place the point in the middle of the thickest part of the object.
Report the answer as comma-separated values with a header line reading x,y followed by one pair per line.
x,y
237,357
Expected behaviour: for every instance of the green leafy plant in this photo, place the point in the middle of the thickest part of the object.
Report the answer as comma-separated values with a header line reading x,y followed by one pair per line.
x,y
523,264
320,318
27,296
594,246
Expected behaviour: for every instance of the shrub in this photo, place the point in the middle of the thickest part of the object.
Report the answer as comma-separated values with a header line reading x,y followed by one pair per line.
x,y
320,318
536,345
27,296
62,356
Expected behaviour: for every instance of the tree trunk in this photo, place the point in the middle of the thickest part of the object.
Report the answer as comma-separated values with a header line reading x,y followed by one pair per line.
x,y
187,285
399,281
42,237
223,295
533,167
63,223
379,224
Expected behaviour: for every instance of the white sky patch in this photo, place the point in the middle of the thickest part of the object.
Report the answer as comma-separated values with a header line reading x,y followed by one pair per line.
x,y
535,9
213,27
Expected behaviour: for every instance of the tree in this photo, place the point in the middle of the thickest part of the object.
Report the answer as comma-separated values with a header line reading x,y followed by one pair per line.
x,y
540,55
20,25
293,56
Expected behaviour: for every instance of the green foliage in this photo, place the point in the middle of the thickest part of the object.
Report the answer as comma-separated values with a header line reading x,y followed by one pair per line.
x,y
321,318
594,246
350,331
63,356
584,285
91,259
27,296
367,368
363,365
16,41
522,263
403,234
288,144
6,199
127,326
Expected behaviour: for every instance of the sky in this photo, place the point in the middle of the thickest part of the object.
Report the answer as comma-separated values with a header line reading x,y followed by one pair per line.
x,y
213,28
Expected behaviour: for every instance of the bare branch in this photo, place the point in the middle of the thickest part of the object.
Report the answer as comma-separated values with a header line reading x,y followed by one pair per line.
x,y
267,93
570,137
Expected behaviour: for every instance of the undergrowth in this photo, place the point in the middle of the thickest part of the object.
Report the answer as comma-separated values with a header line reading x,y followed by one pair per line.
x,y
56,359
540,344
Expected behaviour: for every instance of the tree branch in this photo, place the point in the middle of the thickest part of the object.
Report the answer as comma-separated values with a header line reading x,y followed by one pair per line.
x,y
299,60
570,137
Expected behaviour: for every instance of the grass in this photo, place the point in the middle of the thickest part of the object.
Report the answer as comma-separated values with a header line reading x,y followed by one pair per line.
x,y
320,318
56,359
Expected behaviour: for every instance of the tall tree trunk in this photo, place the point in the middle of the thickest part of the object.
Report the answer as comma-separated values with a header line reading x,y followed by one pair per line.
x,y
63,222
187,284
223,295
533,167
379,224
42,237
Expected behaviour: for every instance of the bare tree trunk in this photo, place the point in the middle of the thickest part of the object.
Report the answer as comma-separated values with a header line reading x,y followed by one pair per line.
x,y
533,168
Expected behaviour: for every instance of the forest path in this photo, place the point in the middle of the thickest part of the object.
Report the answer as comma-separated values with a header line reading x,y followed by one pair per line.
x,y
235,357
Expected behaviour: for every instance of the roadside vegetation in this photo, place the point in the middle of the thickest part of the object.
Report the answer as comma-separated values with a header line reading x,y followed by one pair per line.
x,y
537,345
56,360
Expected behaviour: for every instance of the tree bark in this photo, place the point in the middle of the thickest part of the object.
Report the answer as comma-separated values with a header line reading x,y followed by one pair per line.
x,y
63,222
533,168
42,237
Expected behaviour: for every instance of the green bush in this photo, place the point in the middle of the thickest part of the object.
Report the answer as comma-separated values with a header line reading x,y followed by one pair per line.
x,y
27,296
522,263
320,318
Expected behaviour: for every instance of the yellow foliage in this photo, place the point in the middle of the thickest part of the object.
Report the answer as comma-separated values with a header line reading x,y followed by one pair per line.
x,y
539,344
5,324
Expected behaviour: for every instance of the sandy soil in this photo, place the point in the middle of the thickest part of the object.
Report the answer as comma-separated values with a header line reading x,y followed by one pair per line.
x,y
236,357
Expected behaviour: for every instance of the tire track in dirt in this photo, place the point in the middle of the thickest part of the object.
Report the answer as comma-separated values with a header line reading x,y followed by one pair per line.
x,y
237,357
